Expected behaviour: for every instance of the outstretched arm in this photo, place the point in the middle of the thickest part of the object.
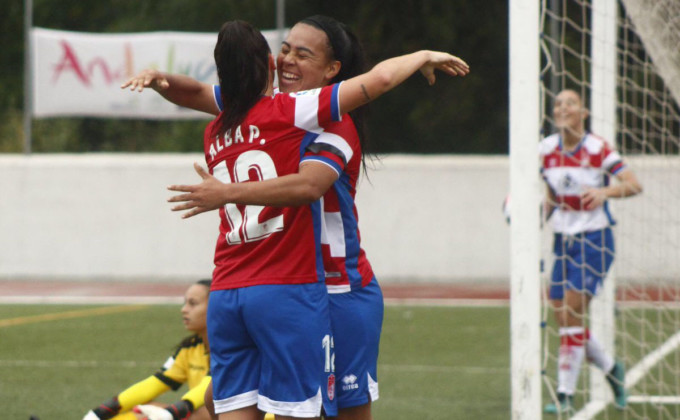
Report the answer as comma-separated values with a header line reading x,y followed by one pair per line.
x,y
139,393
388,74
308,185
176,88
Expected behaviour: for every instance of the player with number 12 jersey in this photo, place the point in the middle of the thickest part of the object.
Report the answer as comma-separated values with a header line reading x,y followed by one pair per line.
x,y
270,247
356,301
257,151
345,264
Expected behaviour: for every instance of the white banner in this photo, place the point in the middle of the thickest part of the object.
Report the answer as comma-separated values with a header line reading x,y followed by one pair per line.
x,y
79,74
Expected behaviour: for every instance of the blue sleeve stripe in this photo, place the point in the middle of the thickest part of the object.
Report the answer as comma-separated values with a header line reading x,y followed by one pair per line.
x,y
335,104
217,93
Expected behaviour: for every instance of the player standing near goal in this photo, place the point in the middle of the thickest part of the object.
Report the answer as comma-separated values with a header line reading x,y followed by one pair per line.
x,y
258,259
577,167
319,51
190,364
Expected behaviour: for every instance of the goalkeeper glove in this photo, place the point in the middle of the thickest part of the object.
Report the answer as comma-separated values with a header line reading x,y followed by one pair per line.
x,y
153,412
91,416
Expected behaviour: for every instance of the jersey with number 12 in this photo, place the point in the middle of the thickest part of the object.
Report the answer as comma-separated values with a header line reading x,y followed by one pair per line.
x,y
260,244
345,263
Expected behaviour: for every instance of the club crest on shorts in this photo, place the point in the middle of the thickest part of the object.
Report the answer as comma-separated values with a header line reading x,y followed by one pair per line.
x,y
331,387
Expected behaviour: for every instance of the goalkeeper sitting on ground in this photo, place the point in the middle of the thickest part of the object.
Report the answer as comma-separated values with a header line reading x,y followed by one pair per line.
x,y
189,364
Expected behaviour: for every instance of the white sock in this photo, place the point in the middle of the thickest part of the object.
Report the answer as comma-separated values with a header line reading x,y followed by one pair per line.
x,y
596,354
572,352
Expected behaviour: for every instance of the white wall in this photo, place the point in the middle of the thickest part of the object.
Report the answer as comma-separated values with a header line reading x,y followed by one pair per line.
x,y
435,218
99,215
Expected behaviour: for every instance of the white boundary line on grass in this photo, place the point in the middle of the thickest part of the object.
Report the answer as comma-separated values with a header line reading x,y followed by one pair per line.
x,y
169,300
78,364
446,369
92,300
446,302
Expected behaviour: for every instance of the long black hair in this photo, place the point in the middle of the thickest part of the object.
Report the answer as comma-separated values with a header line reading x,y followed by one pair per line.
x,y
344,46
242,60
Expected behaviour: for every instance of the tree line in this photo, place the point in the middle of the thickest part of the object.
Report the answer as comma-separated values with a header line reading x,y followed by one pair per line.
x,y
459,115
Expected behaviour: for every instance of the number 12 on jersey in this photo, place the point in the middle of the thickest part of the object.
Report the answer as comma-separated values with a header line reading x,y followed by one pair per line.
x,y
245,224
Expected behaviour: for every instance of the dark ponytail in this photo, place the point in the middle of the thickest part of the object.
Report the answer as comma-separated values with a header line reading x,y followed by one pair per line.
x,y
344,46
242,60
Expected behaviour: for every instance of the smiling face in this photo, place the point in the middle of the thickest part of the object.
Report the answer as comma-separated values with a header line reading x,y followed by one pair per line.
x,y
304,61
569,112
195,308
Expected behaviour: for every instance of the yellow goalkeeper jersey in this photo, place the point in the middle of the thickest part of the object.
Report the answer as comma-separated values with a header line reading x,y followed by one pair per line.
x,y
190,364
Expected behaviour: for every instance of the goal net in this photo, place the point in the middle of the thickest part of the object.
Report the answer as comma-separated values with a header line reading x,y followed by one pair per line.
x,y
624,60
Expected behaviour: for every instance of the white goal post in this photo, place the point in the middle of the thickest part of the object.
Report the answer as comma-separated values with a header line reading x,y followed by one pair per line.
x,y
623,57
525,359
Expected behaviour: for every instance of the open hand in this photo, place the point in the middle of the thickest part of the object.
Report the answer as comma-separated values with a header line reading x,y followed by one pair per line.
x,y
199,198
449,64
147,78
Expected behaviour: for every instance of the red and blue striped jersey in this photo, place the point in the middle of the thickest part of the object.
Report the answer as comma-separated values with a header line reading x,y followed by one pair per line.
x,y
570,173
345,264
261,244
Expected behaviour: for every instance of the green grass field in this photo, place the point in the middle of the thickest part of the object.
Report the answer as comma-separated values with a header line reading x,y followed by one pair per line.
x,y
58,361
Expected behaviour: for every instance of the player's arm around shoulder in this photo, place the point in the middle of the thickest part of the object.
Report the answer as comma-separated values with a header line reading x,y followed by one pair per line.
x,y
309,184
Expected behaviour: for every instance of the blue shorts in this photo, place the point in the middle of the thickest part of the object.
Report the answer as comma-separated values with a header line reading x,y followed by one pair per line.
x,y
357,318
581,261
271,345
